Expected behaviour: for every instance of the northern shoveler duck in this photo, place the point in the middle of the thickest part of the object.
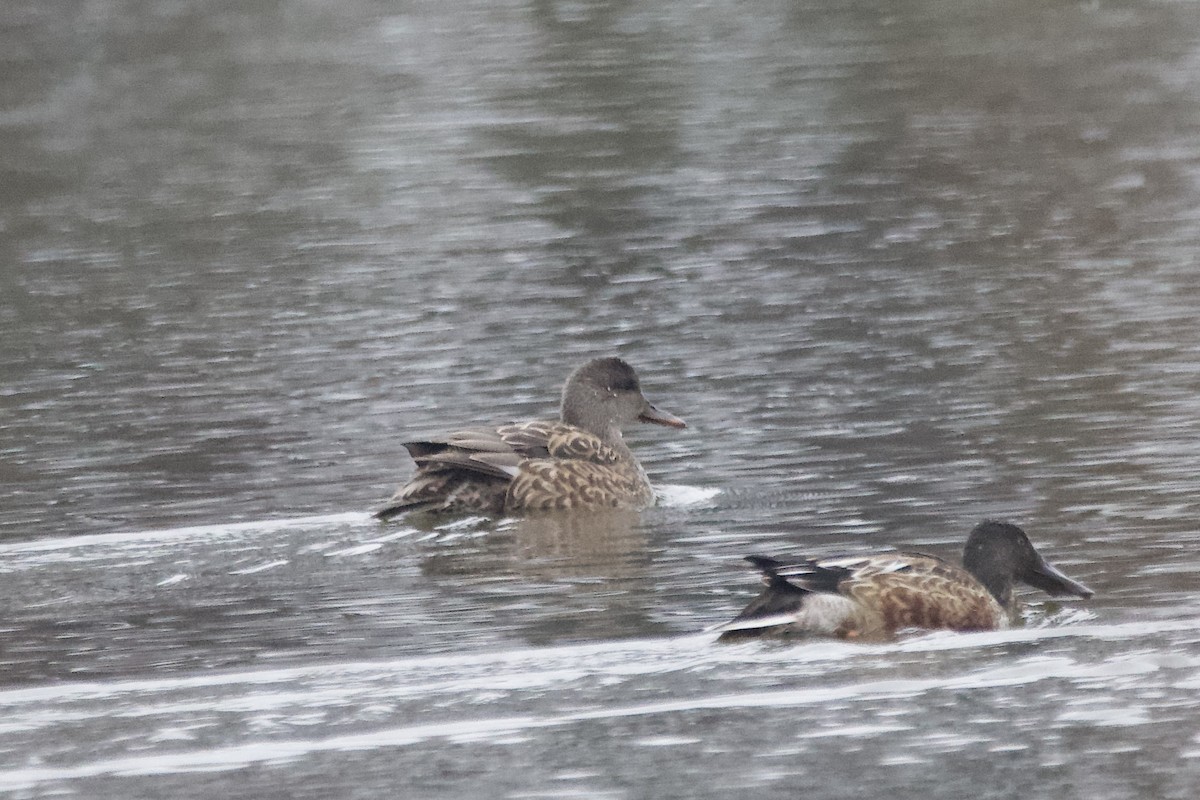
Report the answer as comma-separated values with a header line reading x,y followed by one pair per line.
x,y
873,596
579,461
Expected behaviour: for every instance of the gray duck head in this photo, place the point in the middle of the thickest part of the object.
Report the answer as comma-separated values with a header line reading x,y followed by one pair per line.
x,y
604,395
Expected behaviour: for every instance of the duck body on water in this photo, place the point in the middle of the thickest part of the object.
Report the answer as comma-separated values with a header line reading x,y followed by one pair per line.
x,y
872,597
577,462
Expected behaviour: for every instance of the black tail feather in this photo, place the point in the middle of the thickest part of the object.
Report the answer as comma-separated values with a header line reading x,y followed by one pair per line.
x,y
765,565
779,598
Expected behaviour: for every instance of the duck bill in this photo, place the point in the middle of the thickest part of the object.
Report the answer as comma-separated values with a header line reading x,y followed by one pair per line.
x,y
660,417
1054,582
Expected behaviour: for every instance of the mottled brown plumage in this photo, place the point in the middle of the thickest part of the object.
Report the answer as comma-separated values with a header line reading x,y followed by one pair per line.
x,y
873,596
580,461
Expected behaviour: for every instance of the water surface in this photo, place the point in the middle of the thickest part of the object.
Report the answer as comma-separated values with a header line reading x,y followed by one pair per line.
x,y
901,267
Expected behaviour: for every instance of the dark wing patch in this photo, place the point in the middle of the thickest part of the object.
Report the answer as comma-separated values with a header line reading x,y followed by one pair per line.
x,y
494,452
529,465
467,470
807,574
768,613
530,439
447,491
484,440
451,459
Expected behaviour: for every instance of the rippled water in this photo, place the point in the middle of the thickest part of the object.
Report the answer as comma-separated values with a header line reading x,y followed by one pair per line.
x,y
901,267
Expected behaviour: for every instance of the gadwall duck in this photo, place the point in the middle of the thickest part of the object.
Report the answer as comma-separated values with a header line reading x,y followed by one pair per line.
x,y
579,461
873,596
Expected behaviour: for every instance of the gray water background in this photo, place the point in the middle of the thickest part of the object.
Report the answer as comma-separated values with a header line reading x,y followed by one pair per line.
x,y
901,266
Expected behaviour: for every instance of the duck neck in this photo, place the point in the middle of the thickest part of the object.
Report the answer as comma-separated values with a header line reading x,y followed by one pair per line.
x,y
616,440
608,431
611,435
1001,589
997,582
582,415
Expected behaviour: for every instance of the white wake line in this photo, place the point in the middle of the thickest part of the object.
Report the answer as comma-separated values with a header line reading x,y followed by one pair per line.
x,y
191,532
672,495
588,658
625,657
678,495
241,755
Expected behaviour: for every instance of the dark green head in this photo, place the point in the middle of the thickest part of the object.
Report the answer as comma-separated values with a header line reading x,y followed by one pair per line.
x,y
999,554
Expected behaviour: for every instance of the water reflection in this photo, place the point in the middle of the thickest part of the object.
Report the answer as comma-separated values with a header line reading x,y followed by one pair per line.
x,y
555,577
597,113
578,544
